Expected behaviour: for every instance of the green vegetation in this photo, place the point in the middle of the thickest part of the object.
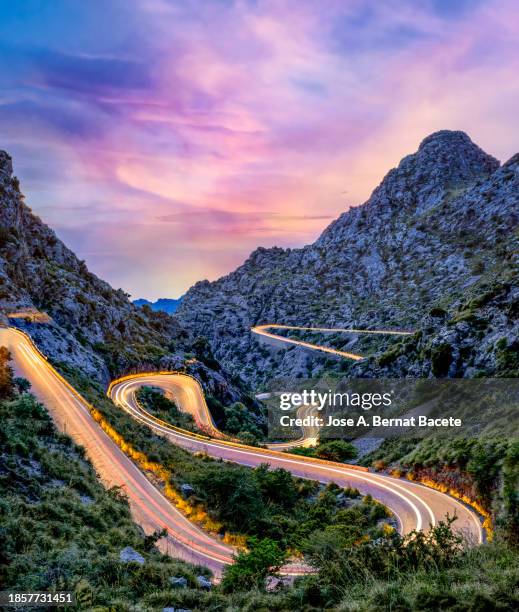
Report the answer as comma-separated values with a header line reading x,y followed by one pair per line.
x,y
441,359
118,355
154,401
6,374
59,528
252,568
242,501
332,450
361,563
507,358
203,352
240,421
244,421
273,504
485,470
418,572
471,328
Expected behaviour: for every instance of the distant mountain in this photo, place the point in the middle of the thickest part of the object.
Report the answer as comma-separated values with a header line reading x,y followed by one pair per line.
x,y
161,305
438,235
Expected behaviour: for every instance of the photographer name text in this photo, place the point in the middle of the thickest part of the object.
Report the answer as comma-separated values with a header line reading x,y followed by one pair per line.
x,y
372,421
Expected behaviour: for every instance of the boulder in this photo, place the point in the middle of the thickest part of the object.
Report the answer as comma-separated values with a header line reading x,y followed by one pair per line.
x,y
204,583
130,555
186,490
178,582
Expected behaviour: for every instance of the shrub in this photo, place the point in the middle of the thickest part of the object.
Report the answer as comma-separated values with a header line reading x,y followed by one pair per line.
x,y
251,568
336,450
441,359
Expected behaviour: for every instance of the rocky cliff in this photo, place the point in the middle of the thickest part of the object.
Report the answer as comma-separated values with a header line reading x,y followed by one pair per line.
x,y
440,227
77,318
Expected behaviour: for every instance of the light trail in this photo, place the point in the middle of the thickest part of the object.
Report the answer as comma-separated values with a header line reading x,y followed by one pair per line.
x,y
262,330
415,506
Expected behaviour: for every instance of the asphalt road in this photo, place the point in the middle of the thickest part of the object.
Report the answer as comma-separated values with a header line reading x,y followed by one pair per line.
x,y
263,332
149,507
414,506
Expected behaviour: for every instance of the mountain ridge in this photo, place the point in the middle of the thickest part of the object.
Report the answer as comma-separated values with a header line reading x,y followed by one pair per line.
x,y
78,320
168,305
434,227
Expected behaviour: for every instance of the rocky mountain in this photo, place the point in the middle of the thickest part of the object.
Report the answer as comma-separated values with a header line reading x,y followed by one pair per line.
x,y
76,318
440,227
161,305
39,274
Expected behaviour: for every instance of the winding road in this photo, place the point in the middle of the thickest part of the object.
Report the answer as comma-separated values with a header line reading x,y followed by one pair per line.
x,y
263,332
414,506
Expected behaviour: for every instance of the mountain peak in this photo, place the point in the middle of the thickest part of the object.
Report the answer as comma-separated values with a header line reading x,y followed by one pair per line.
x,y
454,147
447,138
445,161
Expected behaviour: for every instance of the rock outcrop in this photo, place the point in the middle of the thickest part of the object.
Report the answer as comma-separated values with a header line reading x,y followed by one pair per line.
x,y
90,320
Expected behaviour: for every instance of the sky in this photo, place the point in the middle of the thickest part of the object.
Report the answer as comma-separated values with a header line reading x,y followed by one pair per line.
x,y
165,140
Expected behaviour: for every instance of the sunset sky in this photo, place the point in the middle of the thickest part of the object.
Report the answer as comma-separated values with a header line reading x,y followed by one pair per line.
x,y
164,140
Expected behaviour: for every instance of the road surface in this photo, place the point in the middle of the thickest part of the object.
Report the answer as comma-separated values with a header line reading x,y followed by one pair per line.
x,y
263,331
149,507
185,392
414,506
181,391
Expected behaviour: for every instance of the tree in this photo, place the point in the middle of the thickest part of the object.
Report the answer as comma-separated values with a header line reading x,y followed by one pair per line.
x,y
277,486
441,359
336,450
232,494
238,419
153,538
250,569
6,373
248,438
202,350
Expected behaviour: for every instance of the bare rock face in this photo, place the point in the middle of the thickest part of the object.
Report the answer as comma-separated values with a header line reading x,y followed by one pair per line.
x,y
87,316
440,227
204,583
6,165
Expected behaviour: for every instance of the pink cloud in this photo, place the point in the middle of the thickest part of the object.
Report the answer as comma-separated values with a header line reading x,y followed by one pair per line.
x,y
232,125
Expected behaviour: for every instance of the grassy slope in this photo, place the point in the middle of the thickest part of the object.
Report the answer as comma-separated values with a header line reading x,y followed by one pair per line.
x,y
45,479
60,529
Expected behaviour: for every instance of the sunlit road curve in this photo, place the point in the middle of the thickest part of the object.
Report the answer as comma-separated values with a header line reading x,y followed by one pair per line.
x,y
263,331
182,393
149,507
414,506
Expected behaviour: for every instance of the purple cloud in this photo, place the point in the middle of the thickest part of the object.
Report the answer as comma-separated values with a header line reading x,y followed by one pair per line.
x,y
166,140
